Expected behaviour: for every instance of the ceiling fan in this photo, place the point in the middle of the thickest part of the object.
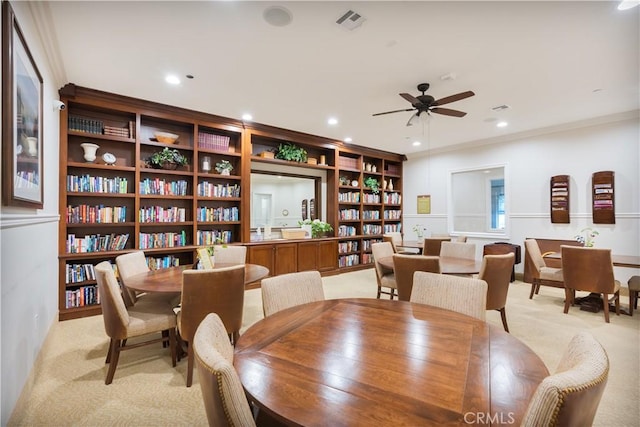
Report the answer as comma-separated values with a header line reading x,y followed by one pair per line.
x,y
428,104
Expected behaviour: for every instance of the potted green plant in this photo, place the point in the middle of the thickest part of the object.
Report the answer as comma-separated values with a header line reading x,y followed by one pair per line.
x,y
318,228
291,152
373,184
167,159
224,167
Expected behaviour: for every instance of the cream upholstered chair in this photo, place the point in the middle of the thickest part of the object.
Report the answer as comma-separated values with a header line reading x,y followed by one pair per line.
x,y
458,250
230,254
591,270
288,290
462,294
542,275
224,399
459,239
570,397
496,271
384,276
405,265
121,323
133,263
634,289
218,291
395,238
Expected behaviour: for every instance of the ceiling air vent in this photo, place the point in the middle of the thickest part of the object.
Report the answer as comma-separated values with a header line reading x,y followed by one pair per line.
x,y
501,107
350,20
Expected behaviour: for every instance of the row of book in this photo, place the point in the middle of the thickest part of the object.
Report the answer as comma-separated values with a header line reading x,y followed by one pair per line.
x,y
99,214
348,260
371,229
77,273
393,228
392,198
220,213
81,124
346,231
366,244
370,215
126,132
211,141
96,243
96,184
393,214
367,259
370,198
159,263
350,197
211,237
348,246
83,296
159,187
208,189
167,239
162,214
349,214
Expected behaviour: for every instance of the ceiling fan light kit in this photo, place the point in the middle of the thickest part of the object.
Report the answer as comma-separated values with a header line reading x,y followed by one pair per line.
x,y
428,104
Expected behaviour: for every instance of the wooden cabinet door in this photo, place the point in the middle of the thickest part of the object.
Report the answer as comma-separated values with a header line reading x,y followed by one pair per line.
x,y
327,255
286,259
262,255
308,256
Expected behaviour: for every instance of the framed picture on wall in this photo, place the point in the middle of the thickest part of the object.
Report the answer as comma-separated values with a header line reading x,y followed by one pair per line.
x,y
424,204
22,118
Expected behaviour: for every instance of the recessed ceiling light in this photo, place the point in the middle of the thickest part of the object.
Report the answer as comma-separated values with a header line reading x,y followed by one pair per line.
x,y
172,79
502,124
247,117
332,121
348,139
416,143
277,16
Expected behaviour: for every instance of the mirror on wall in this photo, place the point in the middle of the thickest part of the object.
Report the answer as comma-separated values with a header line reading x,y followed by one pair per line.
x,y
478,201
280,200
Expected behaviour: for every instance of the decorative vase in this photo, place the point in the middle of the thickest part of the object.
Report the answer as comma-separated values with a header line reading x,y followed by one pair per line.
x,y
32,146
384,184
206,164
390,185
225,172
169,166
89,151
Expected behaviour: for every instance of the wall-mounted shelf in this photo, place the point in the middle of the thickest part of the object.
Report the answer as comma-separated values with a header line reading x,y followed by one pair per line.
x,y
559,199
602,196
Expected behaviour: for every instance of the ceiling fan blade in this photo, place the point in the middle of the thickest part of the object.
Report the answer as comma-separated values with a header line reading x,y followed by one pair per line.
x,y
412,99
453,98
394,111
448,112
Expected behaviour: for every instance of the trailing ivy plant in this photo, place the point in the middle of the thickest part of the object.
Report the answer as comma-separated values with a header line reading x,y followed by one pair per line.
x,y
291,152
373,184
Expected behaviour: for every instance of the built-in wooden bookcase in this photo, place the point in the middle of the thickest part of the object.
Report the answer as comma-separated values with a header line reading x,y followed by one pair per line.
x,y
559,199
603,197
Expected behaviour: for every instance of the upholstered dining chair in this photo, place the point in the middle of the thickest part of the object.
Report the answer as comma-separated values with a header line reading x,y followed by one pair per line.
x,y
459,239
133,263
432,245
384,276
496,271
462,294
289,290
458,250
541,275
395,238
121,323
570,397
230,254
590,270
634,289
218,291
224,399
405,265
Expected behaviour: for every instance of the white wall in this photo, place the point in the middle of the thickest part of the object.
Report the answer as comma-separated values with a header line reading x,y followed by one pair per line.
x,y
531,162
28,249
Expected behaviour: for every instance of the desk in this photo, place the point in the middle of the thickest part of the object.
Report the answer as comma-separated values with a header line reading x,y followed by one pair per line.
x,y
368,362
631,261
170,279
448,265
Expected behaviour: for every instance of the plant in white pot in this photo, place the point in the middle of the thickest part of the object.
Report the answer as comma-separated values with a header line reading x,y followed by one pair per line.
x,y
224,167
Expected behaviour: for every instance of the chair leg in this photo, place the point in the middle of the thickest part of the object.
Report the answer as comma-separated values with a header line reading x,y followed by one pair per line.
x,y
568,299
533,289
633,301
114,350
235,335
379,292
108,358
617,303
605,303
503,315
189,364
172,345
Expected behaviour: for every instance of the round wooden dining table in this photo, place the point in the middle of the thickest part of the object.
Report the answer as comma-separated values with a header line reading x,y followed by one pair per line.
x,y
375,362
448,265
170,279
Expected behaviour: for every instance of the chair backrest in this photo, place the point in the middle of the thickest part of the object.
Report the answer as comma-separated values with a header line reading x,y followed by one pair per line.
x,y
224,399
288,290
393,237
496,271
405,265
458,250
462,294
587,269
570,397
114,312
432,245
534,254
381,250
218,291
230,254
460,239
130,264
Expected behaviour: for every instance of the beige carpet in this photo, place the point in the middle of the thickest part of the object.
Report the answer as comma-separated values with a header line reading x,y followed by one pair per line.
x,y
68,387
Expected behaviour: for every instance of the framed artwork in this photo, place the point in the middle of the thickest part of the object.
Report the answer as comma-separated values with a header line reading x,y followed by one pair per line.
x,y
424,204
22,157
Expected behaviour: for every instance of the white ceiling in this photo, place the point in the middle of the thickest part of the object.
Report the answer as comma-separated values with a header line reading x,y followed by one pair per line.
x,y
552,62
